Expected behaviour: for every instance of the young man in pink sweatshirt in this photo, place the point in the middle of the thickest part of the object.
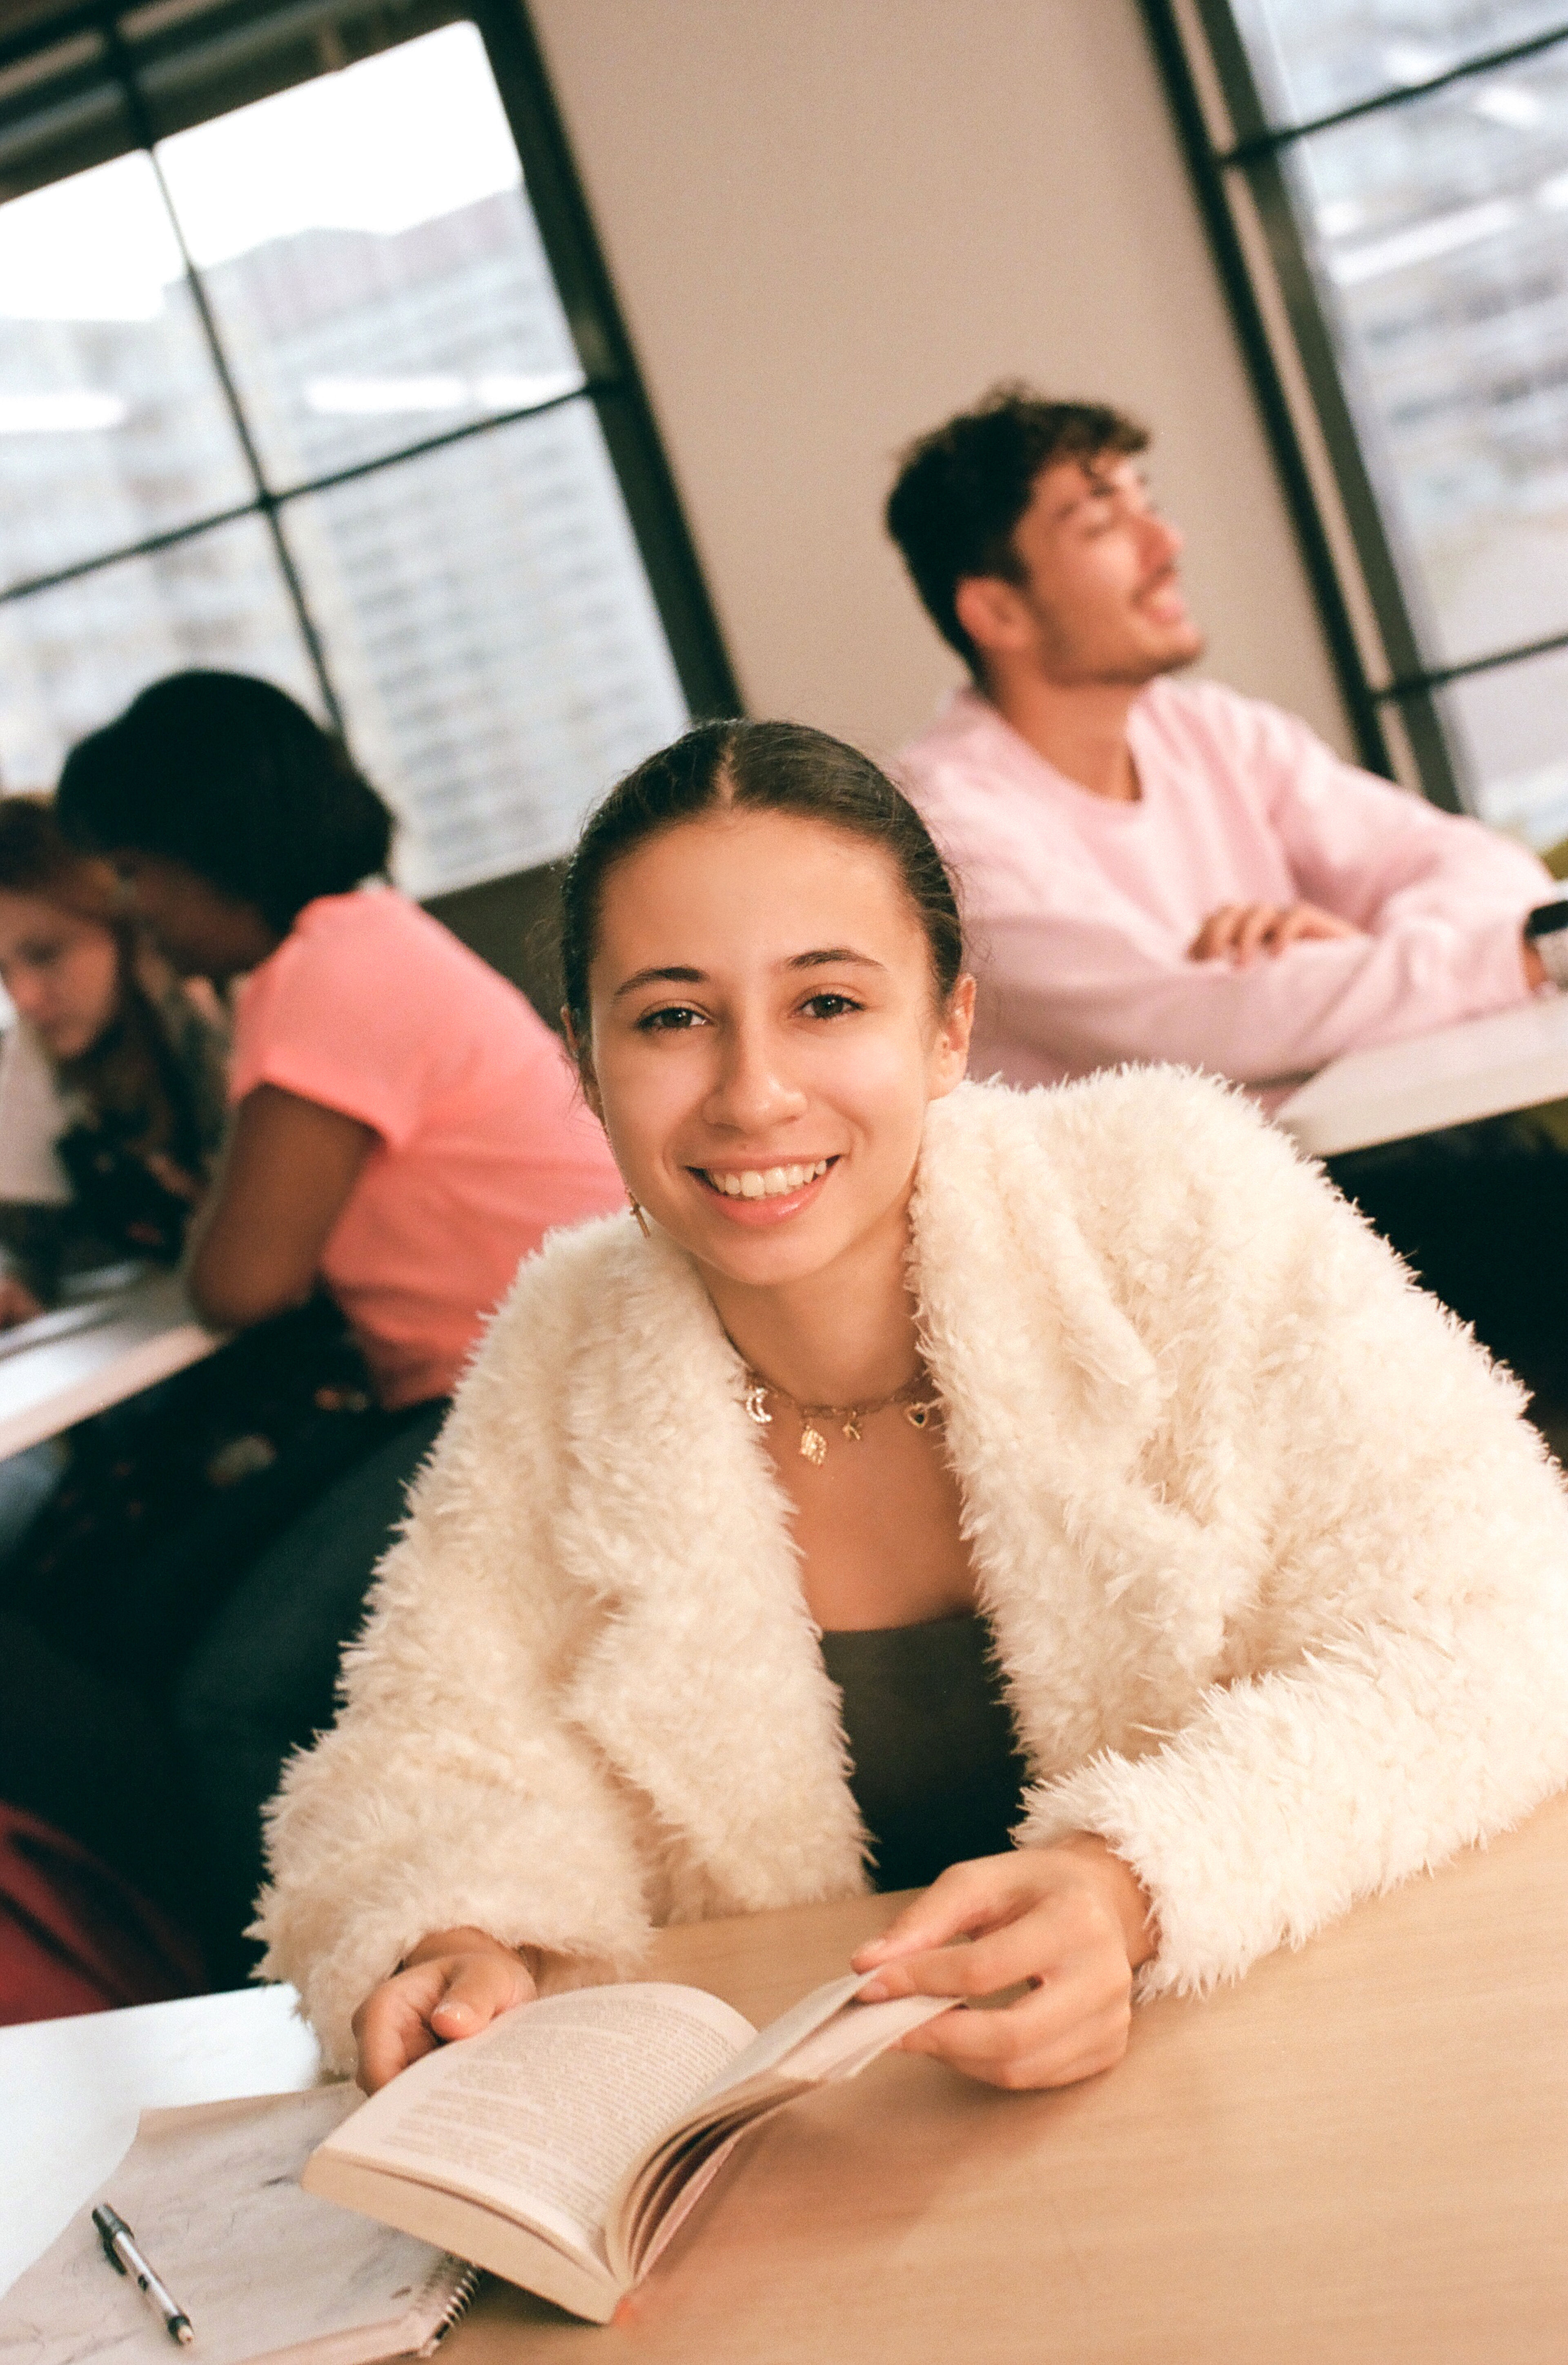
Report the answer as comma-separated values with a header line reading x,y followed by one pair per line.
x,y
1156,869
1160,870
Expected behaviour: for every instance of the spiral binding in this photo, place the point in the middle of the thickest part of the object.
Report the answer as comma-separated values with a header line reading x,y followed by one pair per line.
x,y
457,2307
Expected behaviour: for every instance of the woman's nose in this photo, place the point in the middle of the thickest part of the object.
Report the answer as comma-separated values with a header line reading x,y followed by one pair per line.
x,y
753,1087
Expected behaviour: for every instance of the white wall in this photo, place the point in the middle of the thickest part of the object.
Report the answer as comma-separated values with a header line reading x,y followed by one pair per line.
x,y
831,222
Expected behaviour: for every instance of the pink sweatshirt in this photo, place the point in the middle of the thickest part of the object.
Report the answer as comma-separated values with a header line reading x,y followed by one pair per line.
x,y
1080,911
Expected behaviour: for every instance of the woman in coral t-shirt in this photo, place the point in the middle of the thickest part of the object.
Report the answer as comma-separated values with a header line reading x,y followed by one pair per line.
x,y
406,1130
472,1140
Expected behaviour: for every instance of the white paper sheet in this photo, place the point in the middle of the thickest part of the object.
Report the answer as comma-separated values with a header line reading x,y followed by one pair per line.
x,y
261,2267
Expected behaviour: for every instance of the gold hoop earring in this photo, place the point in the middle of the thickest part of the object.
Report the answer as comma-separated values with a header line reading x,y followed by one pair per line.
x,y
642,1219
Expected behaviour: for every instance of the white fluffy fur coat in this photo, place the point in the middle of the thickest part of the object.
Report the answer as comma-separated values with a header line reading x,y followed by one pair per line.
x,y
1277,1573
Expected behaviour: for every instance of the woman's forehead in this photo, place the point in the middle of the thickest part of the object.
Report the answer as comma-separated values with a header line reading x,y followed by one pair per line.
x,y
24,915
782,880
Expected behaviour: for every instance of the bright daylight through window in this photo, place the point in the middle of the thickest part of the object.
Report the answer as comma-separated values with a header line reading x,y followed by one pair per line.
x,y
1402,168
315,357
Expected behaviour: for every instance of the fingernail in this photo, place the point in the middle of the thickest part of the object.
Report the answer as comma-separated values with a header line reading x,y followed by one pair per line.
x,y
455,2011
875,1991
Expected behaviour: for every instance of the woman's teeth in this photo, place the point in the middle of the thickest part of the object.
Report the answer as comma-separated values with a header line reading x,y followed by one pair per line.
x,y
767,1182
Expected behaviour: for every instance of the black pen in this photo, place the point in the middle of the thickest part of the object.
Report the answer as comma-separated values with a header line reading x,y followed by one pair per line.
x,y
119,2249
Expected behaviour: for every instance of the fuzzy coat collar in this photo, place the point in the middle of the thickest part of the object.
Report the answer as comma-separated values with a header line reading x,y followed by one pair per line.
x,y
673,1521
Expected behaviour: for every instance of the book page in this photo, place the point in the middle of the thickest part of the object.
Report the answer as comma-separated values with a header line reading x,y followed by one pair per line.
x,y
828,2033
213,2196
852,2040
655,2202
543,2115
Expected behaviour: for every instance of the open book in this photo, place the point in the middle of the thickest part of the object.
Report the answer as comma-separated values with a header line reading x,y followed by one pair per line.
x,y
563,2146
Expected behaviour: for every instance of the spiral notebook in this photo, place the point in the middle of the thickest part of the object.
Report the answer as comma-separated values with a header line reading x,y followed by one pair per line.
x,y
268,2274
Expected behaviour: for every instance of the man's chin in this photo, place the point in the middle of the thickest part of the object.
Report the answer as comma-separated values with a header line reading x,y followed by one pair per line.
x,y
1138,660
1180,651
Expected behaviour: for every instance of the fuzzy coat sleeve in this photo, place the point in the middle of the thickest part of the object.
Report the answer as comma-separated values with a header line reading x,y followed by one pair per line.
x,y
1406,1685
450,1793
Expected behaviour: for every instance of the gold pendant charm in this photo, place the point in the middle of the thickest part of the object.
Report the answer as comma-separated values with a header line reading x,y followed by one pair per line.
x,y
814,1445
756,1408
920,1415
852,1428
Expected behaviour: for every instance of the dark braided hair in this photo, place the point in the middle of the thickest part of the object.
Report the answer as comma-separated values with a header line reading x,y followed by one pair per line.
x,y
232,777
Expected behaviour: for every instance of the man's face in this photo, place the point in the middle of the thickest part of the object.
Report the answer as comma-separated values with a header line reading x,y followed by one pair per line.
x,y
1101,601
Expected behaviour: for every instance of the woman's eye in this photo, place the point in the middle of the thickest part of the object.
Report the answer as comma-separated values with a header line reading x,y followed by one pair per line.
x,y
829,1005
674,1018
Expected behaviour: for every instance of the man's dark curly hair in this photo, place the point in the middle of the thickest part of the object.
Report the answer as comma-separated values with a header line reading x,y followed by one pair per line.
x,y
961,490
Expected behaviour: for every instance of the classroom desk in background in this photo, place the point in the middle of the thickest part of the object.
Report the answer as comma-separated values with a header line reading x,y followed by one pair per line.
x,y
69,1365
1485,1067
1357,2154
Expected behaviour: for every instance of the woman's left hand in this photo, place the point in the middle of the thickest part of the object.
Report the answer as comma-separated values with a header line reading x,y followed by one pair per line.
x,y
1071,1919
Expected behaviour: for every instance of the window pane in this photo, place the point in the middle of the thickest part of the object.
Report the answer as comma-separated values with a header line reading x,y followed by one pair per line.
x,y
370,257
491,635
1314,56
1512,724
1440,231
112,424
71,658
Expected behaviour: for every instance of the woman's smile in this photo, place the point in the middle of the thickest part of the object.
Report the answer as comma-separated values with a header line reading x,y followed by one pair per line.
x,y
756,1195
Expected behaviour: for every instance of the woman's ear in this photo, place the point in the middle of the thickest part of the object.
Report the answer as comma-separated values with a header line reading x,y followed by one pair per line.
x,y
950,1054
584,1064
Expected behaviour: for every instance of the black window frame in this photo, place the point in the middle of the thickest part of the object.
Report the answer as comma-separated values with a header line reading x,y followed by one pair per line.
x,y
1235,154
83,84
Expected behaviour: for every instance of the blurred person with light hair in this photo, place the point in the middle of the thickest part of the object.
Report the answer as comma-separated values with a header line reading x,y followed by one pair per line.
x,y
111,1073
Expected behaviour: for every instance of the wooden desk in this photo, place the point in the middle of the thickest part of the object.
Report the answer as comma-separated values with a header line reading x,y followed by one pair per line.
x,y
1359,2156
1484,1067
143,1334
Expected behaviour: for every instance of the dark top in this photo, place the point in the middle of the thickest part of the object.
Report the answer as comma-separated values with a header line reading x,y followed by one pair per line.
x,y
936,1773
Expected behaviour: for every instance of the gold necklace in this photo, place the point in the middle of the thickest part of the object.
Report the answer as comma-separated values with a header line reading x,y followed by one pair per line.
x,y
919,1410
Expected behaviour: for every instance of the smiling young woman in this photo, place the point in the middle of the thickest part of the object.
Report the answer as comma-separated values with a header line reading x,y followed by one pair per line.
x,y
1058,1503
765,1096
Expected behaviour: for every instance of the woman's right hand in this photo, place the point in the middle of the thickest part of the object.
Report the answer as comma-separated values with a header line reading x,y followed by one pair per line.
x,y
452,1985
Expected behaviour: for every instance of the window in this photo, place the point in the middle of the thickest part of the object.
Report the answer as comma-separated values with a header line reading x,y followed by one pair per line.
x,y
308,368
1387,181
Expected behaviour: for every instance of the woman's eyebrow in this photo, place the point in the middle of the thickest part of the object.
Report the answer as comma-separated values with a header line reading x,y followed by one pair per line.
x,y
835,957
820,957
673,976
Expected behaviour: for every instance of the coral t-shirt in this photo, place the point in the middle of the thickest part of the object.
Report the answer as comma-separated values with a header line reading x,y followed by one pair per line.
x,y
372,1007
